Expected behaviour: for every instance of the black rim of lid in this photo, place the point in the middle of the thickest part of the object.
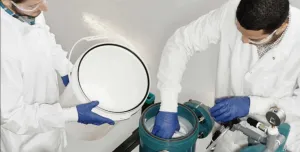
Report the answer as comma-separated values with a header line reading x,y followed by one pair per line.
x,y
117,45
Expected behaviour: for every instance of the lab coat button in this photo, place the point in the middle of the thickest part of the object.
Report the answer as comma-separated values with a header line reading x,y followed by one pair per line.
x,y
247,75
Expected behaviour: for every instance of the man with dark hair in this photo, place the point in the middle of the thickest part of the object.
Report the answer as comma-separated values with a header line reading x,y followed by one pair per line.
x,y
32,119
258,68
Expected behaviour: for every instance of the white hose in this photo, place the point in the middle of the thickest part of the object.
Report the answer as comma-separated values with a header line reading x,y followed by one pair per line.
x,y
88,39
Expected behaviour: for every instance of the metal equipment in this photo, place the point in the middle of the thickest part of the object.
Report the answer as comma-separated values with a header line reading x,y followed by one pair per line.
x,y
276,133
192,112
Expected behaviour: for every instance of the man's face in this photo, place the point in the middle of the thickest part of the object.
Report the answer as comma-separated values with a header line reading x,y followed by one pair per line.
x,y
30,7
250,35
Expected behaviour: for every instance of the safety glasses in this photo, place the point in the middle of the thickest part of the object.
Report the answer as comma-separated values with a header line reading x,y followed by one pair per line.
x,y
30,8
263,41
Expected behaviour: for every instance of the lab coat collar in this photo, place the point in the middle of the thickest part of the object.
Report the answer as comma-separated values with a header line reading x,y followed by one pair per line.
x,y
284,48
26,19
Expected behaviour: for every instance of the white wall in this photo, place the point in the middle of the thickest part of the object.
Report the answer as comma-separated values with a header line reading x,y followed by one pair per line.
x,y
147,24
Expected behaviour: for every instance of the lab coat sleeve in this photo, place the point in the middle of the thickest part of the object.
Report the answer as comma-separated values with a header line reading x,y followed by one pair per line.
x,y
16,115
187,40
60,61
291,104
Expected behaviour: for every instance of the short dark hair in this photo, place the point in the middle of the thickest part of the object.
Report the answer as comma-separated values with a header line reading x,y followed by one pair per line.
x,y
267,15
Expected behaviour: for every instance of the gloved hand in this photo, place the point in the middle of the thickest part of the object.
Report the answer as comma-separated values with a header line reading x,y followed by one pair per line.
x,y
166,123
86,116
227,109
65,80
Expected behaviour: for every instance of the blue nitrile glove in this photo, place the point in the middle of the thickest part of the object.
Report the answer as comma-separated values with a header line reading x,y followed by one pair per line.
x,y
65,80
166,123
227,109
86,116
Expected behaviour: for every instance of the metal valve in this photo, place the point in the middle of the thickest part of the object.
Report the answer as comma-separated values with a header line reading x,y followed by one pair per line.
x,y
275,116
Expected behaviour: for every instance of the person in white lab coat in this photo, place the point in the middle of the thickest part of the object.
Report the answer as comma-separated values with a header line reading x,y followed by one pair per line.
x,y
32,119
258,67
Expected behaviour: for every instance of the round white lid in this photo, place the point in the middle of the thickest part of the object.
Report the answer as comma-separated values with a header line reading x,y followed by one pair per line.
x,y
115,76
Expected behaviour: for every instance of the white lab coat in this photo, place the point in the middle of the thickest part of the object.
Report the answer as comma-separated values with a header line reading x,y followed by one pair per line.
x,y
272,80
31,117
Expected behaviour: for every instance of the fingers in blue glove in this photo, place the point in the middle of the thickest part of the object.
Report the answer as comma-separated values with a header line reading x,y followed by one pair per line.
x,y
223,110
155,130
166,123
101,119
92,104
219,105
98,117
177,127
220,110
86,116
227,109
225,117
165,135
215,108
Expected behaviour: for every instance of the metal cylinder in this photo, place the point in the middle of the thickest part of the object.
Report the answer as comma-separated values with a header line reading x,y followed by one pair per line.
x,y
275,116
250,133
252,141
257,124
272,138
271,142
279,141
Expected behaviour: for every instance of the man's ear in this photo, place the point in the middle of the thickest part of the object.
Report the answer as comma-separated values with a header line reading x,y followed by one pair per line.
x,y
283,27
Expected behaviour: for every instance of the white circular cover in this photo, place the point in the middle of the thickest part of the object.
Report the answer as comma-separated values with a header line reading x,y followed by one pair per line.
x,y
114,76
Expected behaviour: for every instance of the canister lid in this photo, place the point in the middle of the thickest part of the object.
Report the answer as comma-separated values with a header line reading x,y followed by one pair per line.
x,y
115,76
